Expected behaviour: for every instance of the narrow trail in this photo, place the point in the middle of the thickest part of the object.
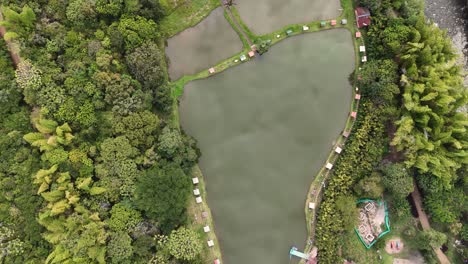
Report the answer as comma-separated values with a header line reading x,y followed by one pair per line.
x,y
238,26
423,219
14,56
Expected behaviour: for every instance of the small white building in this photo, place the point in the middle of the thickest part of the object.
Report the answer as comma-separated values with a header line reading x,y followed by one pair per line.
x,y
362,48
198,200
312,206
196,192
305,27
206,229
338,150
210,243
364,58
243,57
329,166
195,180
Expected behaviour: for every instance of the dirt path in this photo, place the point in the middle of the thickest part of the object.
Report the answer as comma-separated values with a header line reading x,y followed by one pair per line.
x,y
14,56
425,222
238,26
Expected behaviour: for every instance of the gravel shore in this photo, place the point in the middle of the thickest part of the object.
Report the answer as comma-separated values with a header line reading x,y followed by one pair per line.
x,y
452,15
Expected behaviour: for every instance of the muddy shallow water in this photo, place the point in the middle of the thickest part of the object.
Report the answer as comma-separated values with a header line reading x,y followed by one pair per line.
x,y
202,46
265,128
265,16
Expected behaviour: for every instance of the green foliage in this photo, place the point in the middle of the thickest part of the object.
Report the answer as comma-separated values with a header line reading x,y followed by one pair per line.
x,y
119,247
184,244
146,63
110,7
370,186
177,148
135,30
346,206
81,12
429,239
9,244
117,170
361,154
138,128
378,80
18,24
397,180
29,80
123,218
162,193
263,46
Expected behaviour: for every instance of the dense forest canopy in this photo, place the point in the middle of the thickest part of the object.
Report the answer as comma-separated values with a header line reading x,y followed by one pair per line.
x,y
91,167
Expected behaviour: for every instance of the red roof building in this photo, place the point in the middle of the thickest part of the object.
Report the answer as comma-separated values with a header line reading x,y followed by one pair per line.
x,y
362,17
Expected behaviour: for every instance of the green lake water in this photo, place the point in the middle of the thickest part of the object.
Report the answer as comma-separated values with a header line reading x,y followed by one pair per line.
x,y
265,16
202,46
264,129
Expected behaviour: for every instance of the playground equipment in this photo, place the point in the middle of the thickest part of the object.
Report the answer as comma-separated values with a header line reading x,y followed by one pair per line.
x,y
296,253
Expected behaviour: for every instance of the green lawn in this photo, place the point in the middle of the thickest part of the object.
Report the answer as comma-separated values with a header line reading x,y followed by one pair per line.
x,y
186,15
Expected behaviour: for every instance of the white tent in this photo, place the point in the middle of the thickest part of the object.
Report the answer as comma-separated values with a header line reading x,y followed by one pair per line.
x,y
210,243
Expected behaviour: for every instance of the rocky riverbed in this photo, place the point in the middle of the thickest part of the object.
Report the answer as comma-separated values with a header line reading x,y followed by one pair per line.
x,y
452,15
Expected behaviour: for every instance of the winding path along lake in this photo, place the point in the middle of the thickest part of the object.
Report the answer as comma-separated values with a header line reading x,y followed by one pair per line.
x,y
265,128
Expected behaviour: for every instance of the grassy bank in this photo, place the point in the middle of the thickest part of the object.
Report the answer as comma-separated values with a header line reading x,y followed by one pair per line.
x,y
185,15
316,188
198,222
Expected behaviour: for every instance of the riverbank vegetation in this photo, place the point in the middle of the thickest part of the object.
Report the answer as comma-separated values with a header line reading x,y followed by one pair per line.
x,y
413,125
92,169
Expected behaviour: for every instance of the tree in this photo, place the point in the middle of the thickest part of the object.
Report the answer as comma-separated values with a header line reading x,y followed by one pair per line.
x,y
162,193
135,30
9,244
18,24
121,92
184,244
163,99
81,12
378,80
370,187
397,180
119,247
346,206
117,169
28,78
177,148
139,128
146,65
431,238
123,218
110,7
